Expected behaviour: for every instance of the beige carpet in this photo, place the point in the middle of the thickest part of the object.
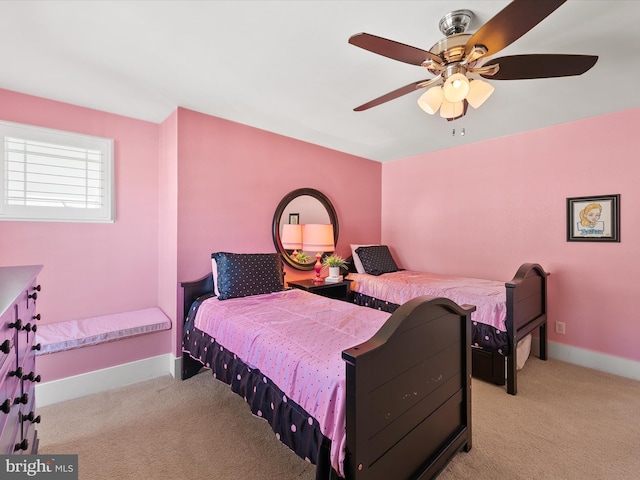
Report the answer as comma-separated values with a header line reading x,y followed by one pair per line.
x,y
566,422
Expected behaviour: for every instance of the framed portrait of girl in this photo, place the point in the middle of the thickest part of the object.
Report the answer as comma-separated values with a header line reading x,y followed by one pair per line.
x,y
593,219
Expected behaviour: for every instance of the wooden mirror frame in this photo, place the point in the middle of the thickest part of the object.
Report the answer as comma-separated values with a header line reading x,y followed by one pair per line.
x,y
326,203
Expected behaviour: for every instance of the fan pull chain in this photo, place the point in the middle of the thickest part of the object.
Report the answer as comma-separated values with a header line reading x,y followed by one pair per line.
x,y
462,132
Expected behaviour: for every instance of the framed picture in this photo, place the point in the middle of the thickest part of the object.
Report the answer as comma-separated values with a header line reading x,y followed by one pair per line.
x,y
294,218
593,219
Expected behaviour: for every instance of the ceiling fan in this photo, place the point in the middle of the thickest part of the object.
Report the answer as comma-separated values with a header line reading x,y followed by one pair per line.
x,y
459,55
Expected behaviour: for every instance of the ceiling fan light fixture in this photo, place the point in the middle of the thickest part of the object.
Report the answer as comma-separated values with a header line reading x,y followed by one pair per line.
x,y
479,92
431,100
451,109
456,88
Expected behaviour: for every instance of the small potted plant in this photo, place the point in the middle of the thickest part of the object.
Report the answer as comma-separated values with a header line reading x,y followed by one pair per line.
x,y
334,263
302,257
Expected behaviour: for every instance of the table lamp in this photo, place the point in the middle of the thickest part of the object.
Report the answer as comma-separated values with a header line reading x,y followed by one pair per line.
x,y
317,238
292,238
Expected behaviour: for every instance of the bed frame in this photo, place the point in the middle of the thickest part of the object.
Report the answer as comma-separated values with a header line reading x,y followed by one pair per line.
x,y
526,312
526,296
408,389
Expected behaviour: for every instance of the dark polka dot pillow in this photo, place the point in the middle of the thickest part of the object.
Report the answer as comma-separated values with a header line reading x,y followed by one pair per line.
x,y
377,259
244,274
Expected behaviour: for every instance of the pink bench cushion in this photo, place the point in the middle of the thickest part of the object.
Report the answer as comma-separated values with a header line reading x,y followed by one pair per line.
x,y
56,337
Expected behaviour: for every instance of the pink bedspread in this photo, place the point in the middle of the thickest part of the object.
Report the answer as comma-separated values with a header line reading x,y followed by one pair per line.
x,y
489,296
296,339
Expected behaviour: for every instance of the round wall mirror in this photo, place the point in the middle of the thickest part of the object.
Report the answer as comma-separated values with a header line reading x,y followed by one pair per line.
x,y
302,206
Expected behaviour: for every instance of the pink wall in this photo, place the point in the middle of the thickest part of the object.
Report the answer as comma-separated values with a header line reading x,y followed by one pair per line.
x,y
185,188
93,269
232,177
483,209
168,224
85,263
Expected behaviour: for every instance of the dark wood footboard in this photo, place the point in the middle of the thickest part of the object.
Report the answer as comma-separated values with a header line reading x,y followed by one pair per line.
x,y
526,312
526,299
409,392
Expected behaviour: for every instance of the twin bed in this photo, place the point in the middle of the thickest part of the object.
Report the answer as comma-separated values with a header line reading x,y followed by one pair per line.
x,y
506,313
362,394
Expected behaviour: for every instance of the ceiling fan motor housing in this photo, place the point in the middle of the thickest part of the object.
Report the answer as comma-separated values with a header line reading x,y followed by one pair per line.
x,y
449,49
455,22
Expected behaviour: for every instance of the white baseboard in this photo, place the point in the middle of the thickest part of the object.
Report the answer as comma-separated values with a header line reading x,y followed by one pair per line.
x,y
129,373
590,359
106,379
176,367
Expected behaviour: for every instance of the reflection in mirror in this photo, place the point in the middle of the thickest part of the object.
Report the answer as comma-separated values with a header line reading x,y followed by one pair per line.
x,y
302,206
302,210
291,237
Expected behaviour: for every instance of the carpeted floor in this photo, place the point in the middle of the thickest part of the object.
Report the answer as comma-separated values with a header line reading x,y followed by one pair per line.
x,y
567,422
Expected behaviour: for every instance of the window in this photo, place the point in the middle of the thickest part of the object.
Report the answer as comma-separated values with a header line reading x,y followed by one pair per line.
x,y
50,175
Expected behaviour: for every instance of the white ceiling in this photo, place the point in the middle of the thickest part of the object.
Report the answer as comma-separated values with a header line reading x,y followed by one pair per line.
x,y
286,66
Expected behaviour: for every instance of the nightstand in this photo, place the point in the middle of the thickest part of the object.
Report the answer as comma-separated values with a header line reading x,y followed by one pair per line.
x,y
339,290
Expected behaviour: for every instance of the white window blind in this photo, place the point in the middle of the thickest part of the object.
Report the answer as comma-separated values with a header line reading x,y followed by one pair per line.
x,y
50,175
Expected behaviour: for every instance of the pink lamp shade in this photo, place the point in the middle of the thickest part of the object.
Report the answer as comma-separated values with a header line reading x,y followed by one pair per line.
x,y
291,236
317,238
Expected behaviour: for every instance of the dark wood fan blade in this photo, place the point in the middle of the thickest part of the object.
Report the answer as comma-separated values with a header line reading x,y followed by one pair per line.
x,y
391,49
511,23
412,87
523,67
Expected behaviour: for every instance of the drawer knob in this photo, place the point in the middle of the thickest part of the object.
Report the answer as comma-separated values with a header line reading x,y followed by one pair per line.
x,y
36,317
6,406
36,347
23,445
24,399
33,295
16,373
30,328
31,417
37,288
32,377
17,324
6,347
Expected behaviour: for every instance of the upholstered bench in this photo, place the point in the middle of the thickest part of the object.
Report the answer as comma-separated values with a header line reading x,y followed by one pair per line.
x,y
71,334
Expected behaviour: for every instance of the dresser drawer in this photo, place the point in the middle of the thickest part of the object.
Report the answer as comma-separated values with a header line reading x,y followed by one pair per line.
x,y
29,374
7,338
27,320
10,434
10,390
27,301
28,419
9,420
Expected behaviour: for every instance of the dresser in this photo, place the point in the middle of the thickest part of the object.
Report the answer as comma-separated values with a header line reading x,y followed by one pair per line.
x,y
19,290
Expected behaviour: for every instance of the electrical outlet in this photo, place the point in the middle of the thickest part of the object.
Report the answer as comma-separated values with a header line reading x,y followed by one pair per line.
x,y
560,328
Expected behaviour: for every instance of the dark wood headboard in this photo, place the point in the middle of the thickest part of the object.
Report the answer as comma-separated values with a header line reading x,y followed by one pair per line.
x,y
194,289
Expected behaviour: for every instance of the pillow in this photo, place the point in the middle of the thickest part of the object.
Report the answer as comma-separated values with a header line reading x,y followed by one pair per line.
x,y
377,259
356,259
244,274
214,271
